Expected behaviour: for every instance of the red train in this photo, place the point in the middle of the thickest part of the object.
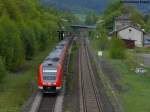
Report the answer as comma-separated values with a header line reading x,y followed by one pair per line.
x,y
50,76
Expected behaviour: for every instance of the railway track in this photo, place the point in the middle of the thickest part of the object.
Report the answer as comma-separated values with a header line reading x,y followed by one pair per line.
x,y
90,95
47,103
93,97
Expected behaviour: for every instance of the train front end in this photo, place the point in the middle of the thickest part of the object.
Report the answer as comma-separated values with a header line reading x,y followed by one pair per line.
x,y
50,79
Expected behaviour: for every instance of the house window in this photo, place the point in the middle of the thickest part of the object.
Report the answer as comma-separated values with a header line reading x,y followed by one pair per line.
x,y
130,30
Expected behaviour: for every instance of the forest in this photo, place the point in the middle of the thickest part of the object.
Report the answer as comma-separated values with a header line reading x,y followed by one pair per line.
x,y
26,27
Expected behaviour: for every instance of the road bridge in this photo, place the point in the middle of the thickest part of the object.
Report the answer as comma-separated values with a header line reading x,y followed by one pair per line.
x,y
82,30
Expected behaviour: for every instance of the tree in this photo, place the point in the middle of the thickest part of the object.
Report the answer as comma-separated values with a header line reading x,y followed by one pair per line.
x,y
91,19
11,45
103,39
2,70
11,9
29,39
114,9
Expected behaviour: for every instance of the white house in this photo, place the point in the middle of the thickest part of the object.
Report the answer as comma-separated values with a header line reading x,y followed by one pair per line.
x,y
132,34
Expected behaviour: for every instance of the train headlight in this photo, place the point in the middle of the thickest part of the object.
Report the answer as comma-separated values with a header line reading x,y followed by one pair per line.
x,y
54,83
49,83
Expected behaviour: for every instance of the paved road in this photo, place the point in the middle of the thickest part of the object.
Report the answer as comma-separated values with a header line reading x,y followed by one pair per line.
x,y
146,59
143,59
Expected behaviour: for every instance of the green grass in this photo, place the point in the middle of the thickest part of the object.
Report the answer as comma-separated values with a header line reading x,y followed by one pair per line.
x,y
136,93
17,87
142,50
69,77
94,44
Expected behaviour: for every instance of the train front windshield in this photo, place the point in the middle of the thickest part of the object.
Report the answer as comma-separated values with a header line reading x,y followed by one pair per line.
x,y
49,75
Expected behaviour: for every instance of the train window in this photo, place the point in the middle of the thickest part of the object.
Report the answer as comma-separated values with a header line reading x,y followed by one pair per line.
x,y
62,45
48,70
49,75
55,59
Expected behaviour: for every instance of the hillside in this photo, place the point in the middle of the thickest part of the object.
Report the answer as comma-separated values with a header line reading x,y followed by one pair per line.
x,y
78,6
84,6
145,8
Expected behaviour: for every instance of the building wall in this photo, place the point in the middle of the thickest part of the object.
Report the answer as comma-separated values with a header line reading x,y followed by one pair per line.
x,y
121,23
132,34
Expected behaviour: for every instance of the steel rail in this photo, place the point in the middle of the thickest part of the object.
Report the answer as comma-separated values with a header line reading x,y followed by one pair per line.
x,y
89,90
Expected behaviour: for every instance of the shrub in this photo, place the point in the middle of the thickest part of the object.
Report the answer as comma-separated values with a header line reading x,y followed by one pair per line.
x,y
117,49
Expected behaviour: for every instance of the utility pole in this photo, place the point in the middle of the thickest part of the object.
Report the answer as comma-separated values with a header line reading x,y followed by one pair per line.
x,y
61,34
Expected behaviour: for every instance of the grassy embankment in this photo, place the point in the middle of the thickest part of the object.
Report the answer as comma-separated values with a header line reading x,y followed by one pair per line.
x,y
17,87
71,81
